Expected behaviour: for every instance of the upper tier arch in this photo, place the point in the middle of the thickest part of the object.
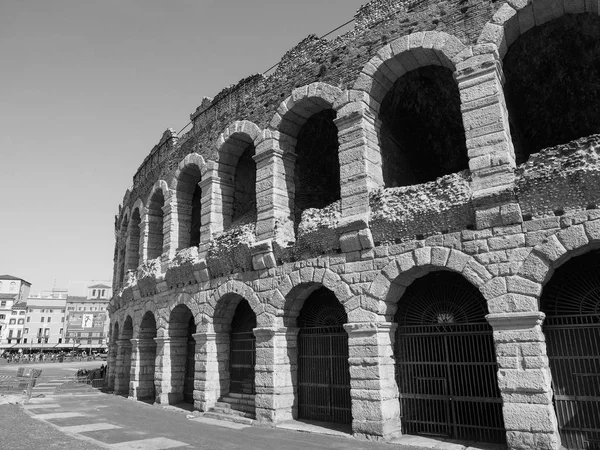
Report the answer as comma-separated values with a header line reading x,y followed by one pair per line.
x,y
403,55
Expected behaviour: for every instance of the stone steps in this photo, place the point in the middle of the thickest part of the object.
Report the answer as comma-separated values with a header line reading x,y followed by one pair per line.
x,y
229,417
234,406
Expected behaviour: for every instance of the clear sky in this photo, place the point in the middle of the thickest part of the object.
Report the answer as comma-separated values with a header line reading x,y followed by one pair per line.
x,y
87,88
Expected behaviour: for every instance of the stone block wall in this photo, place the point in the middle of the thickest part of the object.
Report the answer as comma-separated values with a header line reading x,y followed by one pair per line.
x,y
503,228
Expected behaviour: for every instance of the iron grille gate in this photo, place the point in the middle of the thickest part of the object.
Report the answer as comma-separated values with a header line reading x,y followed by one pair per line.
x,y
242,350
571,301
573,353
446,361
324,375
241,363
190,371
446,376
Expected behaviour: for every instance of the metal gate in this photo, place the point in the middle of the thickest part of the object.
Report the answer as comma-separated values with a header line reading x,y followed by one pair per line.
x,y
323,369
445,362
190,364
242,350
571,301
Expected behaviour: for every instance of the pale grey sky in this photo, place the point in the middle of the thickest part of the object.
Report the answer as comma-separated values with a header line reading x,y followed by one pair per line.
x,y
87,88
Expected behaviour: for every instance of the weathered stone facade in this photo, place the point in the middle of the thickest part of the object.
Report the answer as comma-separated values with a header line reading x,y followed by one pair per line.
x,y
213,220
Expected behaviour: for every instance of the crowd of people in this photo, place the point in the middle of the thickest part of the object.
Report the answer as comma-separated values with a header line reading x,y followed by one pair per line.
x,y
40,357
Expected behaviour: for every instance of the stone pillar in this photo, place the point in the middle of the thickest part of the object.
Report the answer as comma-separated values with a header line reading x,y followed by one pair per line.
x,y
112,365
144,231
206,379
275,374
489,144
217,198
170,235
359,156
171,355
275,189
524,380
375,404
143,356
123,366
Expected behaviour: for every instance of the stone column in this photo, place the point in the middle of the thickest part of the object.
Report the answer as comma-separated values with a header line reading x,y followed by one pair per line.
x,y
375,404
274,189
275,374
524,380
489,144
143,357
359,156
206,380
171,354
170,235
144,231
112,365
217,200
123,369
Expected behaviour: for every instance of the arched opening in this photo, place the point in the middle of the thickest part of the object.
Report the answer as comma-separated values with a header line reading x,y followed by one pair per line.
x,y
146,358
234,324
422,134
323,389
317,170
552,84
242,350
122,250
189,206
446,361
237,170
133,241
155,224
125,372
571,301
182,352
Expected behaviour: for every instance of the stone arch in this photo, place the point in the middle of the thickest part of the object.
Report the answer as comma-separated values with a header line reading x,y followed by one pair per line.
x,y
235,171
155,219
133,243
147,307
225,298
186,203
516,17
413,98
403,55
398,274
303,129
555,41
181,298
303,103
122,237
288,298
546,257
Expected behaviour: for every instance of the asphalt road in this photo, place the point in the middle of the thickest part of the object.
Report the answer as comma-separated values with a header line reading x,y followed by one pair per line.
x,y
85,418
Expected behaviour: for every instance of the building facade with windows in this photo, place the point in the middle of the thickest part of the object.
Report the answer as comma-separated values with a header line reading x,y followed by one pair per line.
x,y
45,321
87,319
12,291
397,230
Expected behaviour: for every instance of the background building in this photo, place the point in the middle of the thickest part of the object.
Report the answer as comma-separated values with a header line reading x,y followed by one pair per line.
x,y
87,319
45,321
12,291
